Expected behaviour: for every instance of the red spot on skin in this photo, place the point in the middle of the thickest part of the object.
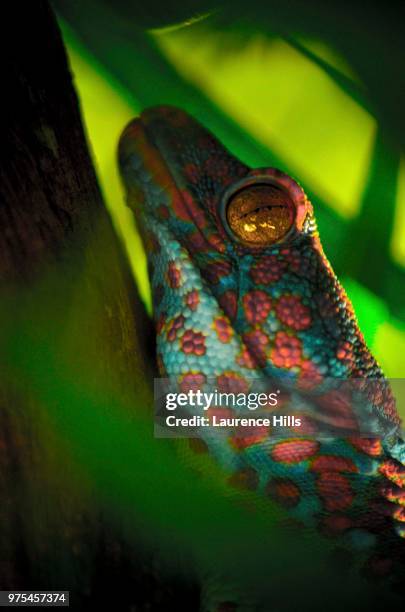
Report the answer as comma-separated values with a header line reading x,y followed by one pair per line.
x,y
292,312
216,270
257,306
191,172
335,524
231,382
257,343
193,343
173,275
308,426
228,303
160,364
216,167
287,351
245,359
393,471
310,376
192,299
399,514
293,258
217,242
223,329
345,352
336,407
284,491
393,494
173,327
163,212
368,446
294,451
247,436
187,209
160,323
267,270
192,381
197,242
333,463
335,491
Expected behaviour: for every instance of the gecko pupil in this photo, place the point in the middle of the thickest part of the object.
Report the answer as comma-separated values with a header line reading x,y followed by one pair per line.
x,y
260,215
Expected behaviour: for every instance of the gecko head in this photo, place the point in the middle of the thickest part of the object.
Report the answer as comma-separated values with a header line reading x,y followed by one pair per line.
x,y
178,174
248,239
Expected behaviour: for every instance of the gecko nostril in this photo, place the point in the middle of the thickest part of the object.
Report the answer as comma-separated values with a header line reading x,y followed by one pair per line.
x,y
258,213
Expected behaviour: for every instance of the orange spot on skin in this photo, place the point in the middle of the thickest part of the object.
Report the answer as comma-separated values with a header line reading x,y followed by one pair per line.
x,y
333,463
173,275
393,494
287,351
284,491
247,436
336,406
160,323
223,329
173,327
245,359
186,209
335,491
216,270
228,303
399,514
335,524
310,376
368,446
230,382
257,342
257,306
193,343
291,312
192,299
345,352
192,381
294,451
267,270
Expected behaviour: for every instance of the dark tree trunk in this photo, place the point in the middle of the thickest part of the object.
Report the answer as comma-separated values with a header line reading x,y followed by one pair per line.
x,y
65,279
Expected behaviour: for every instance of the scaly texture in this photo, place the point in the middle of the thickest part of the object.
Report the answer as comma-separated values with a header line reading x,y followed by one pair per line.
x,y
230,312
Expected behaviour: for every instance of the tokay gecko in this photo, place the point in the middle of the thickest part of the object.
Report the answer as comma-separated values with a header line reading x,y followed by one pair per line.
x,y
241,288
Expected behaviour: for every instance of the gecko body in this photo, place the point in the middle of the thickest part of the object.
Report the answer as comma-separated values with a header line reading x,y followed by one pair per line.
x,y
242,291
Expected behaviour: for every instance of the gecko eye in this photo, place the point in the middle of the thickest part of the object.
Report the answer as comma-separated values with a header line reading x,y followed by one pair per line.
x,y
259,214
